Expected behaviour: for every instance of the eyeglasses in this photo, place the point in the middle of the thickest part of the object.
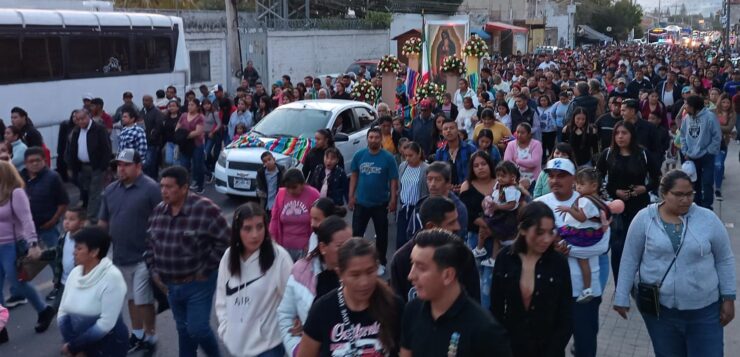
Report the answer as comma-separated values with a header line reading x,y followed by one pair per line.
x,y
681,195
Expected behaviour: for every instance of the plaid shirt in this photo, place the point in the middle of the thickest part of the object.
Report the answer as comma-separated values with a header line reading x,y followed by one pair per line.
x,y
189,243
133,137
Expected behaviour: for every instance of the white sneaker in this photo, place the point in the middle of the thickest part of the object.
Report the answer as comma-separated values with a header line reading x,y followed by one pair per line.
x,y
479,252
586,296
381,270
490,262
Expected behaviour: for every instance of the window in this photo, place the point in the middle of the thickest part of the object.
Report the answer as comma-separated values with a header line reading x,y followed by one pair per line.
x,y
200,66
153,54
115,57
84,56
366,118
41,58
348,124
10,61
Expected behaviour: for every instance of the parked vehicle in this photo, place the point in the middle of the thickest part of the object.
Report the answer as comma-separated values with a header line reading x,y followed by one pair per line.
x,y
370,64
236,169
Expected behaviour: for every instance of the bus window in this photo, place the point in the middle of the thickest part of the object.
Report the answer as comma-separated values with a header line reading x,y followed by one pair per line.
x,y
84,56
10,61
115,55
153,54
42,58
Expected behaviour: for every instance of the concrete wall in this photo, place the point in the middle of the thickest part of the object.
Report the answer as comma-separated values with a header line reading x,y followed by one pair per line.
x,y
215,42
316,52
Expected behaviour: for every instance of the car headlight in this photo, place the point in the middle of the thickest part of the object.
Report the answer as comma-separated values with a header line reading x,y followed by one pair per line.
x,y
222,159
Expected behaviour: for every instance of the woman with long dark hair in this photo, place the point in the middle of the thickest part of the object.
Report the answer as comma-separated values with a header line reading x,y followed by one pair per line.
x,y
582,137
315,157
631,173
531,290
363,303
171,118
412,187
263,108
479,184
311,278
251,281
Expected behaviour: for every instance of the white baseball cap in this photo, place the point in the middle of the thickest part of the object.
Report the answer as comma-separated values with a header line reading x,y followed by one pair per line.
x,y
562,165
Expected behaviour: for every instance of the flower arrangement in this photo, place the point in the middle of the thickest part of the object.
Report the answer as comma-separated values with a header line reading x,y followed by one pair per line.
x,y
389,63
453,64
412,46
475,47
430,89
364,91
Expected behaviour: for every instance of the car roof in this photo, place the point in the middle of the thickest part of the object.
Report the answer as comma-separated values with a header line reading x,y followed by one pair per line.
x,y
326,104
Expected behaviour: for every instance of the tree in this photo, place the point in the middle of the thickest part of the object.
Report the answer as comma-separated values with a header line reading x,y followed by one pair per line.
x,y
621,17
683,10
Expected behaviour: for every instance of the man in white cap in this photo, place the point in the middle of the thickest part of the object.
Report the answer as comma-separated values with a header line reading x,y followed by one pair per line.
x,y
86,99
560,177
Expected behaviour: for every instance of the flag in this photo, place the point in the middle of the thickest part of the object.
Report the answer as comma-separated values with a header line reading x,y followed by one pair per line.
x,y
412,80
296,148
425,54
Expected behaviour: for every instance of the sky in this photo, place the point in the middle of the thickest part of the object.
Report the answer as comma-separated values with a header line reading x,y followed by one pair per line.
x,y
704,6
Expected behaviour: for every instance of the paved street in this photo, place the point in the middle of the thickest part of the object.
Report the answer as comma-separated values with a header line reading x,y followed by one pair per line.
x,y
616,336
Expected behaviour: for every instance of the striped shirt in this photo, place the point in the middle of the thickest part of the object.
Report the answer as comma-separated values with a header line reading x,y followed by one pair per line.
x,y
410,190
133,137
188,243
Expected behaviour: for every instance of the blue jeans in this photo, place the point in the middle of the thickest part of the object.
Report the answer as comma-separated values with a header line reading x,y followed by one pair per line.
x,y
169,153
679,333
704,185
112,344
191,307
719,169
485,272
50,237
151,168
195,163
212,149
586,327
8,273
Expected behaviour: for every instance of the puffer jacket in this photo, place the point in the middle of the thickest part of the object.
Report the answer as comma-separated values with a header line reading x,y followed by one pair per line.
x,y
299,295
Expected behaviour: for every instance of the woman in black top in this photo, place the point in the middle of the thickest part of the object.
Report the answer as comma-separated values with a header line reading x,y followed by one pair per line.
x,y
360,318
630,173
582,137
531,292
315,156
480,183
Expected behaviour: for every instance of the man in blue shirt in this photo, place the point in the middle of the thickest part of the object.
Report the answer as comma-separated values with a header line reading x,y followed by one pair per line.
x,y
373,188
456,152
731,86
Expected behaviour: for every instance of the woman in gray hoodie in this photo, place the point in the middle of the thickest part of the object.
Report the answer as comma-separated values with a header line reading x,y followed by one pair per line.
x,y
684,249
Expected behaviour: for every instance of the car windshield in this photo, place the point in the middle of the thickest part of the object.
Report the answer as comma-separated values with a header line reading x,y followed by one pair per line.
x,y
292,122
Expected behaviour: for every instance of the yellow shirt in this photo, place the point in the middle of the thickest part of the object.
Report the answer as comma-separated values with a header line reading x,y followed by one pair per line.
x,y
388,144
499,131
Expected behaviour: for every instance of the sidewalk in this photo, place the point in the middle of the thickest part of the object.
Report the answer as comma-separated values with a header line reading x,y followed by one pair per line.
x,y
629,338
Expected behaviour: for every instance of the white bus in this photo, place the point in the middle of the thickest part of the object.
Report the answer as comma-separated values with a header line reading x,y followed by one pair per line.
x,y
50,59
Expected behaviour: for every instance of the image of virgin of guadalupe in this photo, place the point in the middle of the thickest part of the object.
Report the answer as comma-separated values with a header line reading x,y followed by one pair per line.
x,y
446,47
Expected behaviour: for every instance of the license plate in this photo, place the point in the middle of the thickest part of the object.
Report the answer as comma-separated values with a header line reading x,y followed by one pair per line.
x,y
242,184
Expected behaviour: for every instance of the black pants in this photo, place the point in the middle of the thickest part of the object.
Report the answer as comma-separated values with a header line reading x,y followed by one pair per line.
x,y
548,144
379,214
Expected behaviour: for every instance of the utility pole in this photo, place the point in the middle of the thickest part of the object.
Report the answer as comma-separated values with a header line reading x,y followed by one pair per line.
x,y
232,43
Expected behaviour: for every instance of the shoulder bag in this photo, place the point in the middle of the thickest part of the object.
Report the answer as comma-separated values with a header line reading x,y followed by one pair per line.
x,y
647,296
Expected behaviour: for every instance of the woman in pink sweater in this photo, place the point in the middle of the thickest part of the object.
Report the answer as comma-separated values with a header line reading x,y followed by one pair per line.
x,y
16,227
526,153
290,225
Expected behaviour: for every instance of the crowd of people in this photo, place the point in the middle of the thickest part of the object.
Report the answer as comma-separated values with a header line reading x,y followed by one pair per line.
x,y
512,202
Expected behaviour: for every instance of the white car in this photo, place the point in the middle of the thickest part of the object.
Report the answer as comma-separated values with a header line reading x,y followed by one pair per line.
x,y
236,169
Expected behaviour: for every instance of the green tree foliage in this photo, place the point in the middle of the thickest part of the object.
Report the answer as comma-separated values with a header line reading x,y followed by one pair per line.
x,y
621,16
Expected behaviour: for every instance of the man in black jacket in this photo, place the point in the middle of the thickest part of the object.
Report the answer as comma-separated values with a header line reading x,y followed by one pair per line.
x,y
435,212
584,100
646,133
29,135
522,113
153,126
638,83
88,157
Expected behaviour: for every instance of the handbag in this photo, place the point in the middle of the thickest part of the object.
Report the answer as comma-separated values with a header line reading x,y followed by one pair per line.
x,y
21,245
647,296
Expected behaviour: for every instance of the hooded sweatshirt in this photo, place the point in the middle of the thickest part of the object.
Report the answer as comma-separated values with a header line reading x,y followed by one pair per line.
x,y
91,304
704,269
700,134
246,305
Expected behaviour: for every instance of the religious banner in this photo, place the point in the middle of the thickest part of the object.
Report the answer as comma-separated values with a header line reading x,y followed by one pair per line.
x,y
442,39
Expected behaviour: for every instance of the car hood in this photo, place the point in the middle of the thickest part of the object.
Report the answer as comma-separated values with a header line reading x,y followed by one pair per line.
x,y
252,154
